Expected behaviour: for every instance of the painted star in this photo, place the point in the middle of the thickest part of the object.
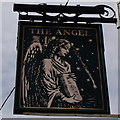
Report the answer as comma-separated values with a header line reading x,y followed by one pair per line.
x,y
88,80
97,67
90,40
82,89
77,48
82,46
78,68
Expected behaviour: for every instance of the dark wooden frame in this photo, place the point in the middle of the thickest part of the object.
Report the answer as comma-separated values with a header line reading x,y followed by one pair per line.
x,y
48,111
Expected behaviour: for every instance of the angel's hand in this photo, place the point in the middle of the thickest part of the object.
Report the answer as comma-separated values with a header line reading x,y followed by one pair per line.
x,y
71,99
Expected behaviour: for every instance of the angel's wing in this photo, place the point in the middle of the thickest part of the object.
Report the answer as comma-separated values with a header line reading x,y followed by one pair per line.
x,y
33,52
30,73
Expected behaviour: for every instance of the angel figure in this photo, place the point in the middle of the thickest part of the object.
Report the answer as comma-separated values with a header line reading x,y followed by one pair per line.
x,y
47,78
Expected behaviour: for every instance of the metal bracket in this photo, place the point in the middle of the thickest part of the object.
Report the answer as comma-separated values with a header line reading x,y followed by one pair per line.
x,y
43,10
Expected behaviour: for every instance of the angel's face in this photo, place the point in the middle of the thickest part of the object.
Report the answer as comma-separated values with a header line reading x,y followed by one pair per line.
x,y
64,50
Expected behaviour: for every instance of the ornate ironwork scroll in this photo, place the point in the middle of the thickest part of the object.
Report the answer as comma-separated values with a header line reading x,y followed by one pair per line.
x,y
62,14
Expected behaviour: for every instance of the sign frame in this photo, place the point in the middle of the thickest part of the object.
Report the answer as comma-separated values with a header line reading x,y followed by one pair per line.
x,y
81,33
118,15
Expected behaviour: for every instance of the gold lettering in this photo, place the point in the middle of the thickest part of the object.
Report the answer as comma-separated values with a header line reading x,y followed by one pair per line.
x,y
74,32
47,31
58,32
33,31
66,32
81,33
40,31
86,33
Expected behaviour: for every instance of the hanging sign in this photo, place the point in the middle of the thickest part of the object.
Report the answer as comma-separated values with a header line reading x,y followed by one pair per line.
x,y
60,69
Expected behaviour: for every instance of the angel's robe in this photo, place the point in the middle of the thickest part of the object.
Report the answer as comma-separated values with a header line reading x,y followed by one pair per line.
x,y
51,70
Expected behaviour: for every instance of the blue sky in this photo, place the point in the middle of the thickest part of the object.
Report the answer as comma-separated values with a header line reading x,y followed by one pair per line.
x,y
9,39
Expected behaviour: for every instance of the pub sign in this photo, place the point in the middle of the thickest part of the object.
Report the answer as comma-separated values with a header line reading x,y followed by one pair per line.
x,y
60,69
